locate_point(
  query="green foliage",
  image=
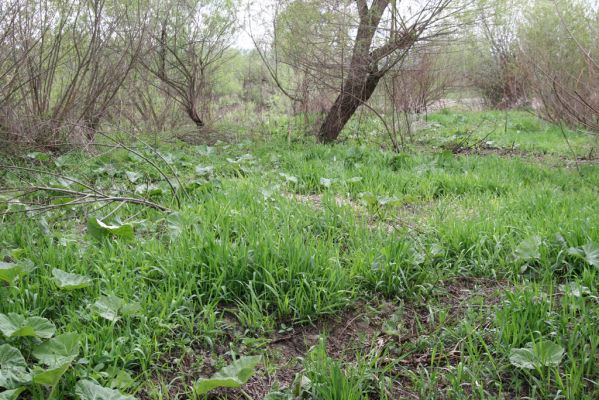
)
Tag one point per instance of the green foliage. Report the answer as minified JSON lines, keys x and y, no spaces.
{"x":88,"y":390}
{"x":100,"y":230}
{"x":14,"y":325}
{"x":421,"y":255}
{"x":9,"y":271}
{"x":234,"y":375}
{"x":68,"y":281}
{"x":537,"y":355}
{"x":60,"y":350}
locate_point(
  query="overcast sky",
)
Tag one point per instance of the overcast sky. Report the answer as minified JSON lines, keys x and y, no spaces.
{"x":254,"y":15}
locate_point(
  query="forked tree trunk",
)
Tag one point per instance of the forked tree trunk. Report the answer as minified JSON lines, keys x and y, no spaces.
{"x":364,"y":71}
{"x":363,"y":75}
{"x":355,"y":92}
{"x":193,"y":115}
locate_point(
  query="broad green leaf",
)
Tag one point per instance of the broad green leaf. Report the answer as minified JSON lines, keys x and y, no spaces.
{"x":9,"y":271}
{"x":231,"y":376}
{"x":389,"y":201}
{"x":11,"y":357}
{"x":51,"y":376}
{"x":369,"y":199}
{"x":100,"y":230}
{"x":589,"y":252}
{"x":548,"y":354}
{"x":12,"y":394}
{"x":122,"y":381}
{"x":205,"y":172}
{"x":174,"y":225}
{"x":544,"y":353}
{"x":58,"y":351}
{"x":575,"y":289}
{"x":326,"y":182}
{"x":88,"y":390}
{"x":12,"y":325}
{"x":112,"y":307}
{"x":13,"y":368}
{"x":528,"y":249}
{"x":133,"y":176}
{"x":149,"y":190}
{"x":289,"y":178}
{"x":14,"y":377}
{"x":68,"y":281}
{"x":522,"y":358}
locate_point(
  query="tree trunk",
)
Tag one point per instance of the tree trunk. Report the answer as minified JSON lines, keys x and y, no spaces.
{"x":363,"y":74}
{"x":356,"y":90}
{"x":193,"y":114}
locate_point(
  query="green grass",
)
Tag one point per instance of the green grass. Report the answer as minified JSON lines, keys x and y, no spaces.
{"x":472,"y":254}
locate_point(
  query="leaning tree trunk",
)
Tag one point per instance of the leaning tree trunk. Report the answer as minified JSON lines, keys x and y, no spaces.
{"x":356,"y":90}
{"x":364,"y":70}
{"x":194,"y":116}
{"x":363,"y":73}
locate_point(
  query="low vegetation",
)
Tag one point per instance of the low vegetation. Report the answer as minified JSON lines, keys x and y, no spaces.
{"x":292,"y":269}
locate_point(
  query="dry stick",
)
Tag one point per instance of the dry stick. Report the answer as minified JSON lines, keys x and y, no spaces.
{"x":149,"y":162}
{"x":41,"y":171}
{"x":168,"y":165}
{"x":94,"y":197}
{"x":561,"y":127}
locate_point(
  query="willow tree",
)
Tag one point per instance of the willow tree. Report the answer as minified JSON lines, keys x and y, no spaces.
{"x":385,"y":33}
{"x":189,"y":43}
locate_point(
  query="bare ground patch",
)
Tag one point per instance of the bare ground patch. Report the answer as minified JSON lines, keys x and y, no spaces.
{"x":390,"y":327}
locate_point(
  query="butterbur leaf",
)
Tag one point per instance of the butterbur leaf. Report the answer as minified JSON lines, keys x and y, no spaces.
{"x":589,"y":252}
{"x":12,"y":394}
{"x":326,"y":182}
{"x":232,"y":376}
{"x":544,"y":353}
{"x":61,"y":350}
{"x":38,"y":156}
{"x":51,"y":376}
{"x":289,"y":178}
{"x":108,"y":307}
{"x":11,"y":357}
{"x":13,"y":325}
{"x":389,"y":201}
{"x":9,"y":271}
{"x":205,"y":172}
{"x":575,"y":289}
{"x":14,"y":377}
{"x":149,"y":190}
{"x":528,"y":249}
{"x":100,"y":230}
{"x":549,"y":354}
{"x":369,"y":199}
{"x":88,"y":390}
{"x":112,"y":307}
{"x":522,"y":358}
{"x":13,"y":368}
{"x":68,"y":281}
{"x":133,"y":176}
{"x":122,"y":381}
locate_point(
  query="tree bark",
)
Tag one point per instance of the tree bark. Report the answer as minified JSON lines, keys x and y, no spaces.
{"x":354,"y":93}
{"x":363,"y":76}
{"x":193,"y":114}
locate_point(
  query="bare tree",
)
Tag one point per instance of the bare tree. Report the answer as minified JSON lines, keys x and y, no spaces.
{"x":376,"y":50}
{"x":72,"y":59}
{"x":565,"y":88}
{"x":188,"y":45}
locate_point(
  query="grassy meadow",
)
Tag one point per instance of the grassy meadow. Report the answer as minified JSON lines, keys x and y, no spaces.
{"x":466,"y":267}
